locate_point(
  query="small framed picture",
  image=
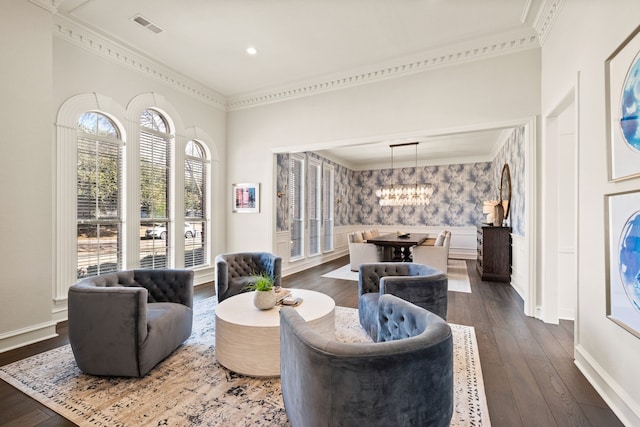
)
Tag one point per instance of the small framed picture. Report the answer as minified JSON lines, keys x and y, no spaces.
{"x":622,"y":80}
{"x":623,"y":260}
{"x":246,"y":198}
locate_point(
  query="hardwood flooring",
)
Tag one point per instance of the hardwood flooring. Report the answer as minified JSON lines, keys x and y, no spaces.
{"x":529,"y":375}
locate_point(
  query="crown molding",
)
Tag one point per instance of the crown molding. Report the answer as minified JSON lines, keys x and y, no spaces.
{"x":546,"y":18}
{"x":474,"y":50}
{"x":49,"y":5}
{"x":93,"y":42}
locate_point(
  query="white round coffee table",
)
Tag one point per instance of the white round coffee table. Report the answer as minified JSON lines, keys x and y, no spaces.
{"x":248,"y":339}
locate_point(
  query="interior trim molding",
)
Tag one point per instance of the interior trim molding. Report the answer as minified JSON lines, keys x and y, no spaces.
{"x":547,"y":16}
{"x":49,"y":5}
{"x":80,"y":36}
{"x":471,"y":50}
{"x":453,"y":55}
{"x":620,"y":402}
{"x":24,"y":336}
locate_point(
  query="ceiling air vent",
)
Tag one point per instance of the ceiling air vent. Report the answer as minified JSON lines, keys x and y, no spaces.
{"x":139,"y":19}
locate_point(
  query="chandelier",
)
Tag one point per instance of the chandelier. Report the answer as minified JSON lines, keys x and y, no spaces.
{"x":405,"y":194}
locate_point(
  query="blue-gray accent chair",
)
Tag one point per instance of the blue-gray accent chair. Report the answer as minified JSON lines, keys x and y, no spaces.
{"x":125,"y":323}
{"x":403,"y":379}
{"x":234,"y":271}
{"x":419,"y":284}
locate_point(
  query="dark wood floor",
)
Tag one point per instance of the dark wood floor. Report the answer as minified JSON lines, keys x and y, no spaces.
{"x":529,"y":375}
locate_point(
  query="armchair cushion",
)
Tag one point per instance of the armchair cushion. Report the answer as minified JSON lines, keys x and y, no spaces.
{"x":423,"y":286}
{"x":234,"y":271}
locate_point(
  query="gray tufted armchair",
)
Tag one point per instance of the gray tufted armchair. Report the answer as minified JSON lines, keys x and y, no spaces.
{"x":423,"y":286}
{"x":234,"y":271}
{"x":403,"y":379}
{"x":124,"y":323}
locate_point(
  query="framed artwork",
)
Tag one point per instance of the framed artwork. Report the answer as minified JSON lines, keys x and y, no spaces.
{"x":622,"y":77}
{"x":246,"y":198}
{"x":623,"y":260}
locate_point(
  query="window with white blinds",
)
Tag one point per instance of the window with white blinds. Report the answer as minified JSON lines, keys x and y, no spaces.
{"x":155,"y":178}
{"x":98,"y":196}
{"x":195,"y":193}
{"x":314,"y":207}
{"x":327,"y":206}
{"x":296,"y":203}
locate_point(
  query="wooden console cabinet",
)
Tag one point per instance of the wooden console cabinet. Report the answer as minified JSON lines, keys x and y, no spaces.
{"x":494,"y":253}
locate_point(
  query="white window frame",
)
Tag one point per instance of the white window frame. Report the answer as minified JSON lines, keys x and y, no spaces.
{"x":203,"y":218}
{"x":297,"y":190}
{"x":64,"y":178}
{"x":313,"y":204}
{"x":98,"y":221}
{"x":328,"y":205}
{"x":65,"y":186}
{"x":169,"y":243}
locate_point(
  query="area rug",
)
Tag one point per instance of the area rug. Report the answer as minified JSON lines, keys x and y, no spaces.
{"x":458,"y":275}
{"x":190,"y":388}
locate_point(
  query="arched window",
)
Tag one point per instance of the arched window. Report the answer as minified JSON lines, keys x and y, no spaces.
{"x":155,"y":195}
{"x":195,"y":193}
{"x":99,"y":195}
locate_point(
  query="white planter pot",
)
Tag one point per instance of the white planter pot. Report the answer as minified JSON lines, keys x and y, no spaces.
{"x":264,"y":300}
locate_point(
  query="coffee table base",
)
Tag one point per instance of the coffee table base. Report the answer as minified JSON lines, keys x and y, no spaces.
{"x":255,"y":351}
{"x":248,"y":339}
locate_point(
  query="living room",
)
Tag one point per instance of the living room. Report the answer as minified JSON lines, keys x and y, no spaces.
{"x":49,"y":60}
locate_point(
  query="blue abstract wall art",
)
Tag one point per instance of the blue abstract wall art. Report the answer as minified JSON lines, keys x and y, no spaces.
{"x":623,"y":286}
{"x":630,"y":106}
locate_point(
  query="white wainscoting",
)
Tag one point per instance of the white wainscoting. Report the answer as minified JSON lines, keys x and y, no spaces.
{"x":25,"y":336}
{"x":282,"y":249}
{"x":519,"y":265}
{"x":463,"y":244}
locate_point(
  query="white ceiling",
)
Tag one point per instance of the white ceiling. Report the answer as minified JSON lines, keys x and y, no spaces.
{"x":302,"y":41}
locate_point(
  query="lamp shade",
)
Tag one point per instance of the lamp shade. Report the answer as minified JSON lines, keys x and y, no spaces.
{"x":489,"y":206}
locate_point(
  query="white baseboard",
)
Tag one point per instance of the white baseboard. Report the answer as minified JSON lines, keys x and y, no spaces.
{"x":289,"y":268}
{"x":22,"y":337}
{"x":567,"y":313}
{"x":623,"y":405}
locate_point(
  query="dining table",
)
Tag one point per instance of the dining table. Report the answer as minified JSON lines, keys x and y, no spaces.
{"x":400,"y":244}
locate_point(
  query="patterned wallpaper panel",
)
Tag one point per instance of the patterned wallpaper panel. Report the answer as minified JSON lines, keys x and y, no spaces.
{"x":282,"y":185}
{"x":513,"y":154}
{"x":459,"y":190}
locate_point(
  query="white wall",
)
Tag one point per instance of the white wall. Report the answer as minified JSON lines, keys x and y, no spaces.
{"x":476,"y":93}
{"x":26,"y":167}
{"x":40,"y":72}
{"x":584,"y":35}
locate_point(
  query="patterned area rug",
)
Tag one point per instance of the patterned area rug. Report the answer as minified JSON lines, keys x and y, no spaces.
{"x":458,"y":275}
{"x":190,"y":388}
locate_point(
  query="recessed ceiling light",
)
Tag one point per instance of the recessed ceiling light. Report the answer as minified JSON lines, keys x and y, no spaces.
{"x":252,"y":50}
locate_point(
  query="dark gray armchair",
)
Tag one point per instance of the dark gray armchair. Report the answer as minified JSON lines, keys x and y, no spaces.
{"x":424,"y":286}
{"x":234,"y":271}
{"x":124,"y":323}
{"x":404,"y":379}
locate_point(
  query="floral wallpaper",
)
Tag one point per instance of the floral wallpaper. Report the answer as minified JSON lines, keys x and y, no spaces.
{"x":459,"y":190}
{"x":513,"y":154}
{"x":282,"y":186}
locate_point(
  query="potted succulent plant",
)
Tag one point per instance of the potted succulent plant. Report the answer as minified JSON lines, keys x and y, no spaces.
{"x":265,"y":296}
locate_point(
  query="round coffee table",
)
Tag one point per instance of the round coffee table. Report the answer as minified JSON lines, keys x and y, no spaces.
{"x":248,"y":339}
